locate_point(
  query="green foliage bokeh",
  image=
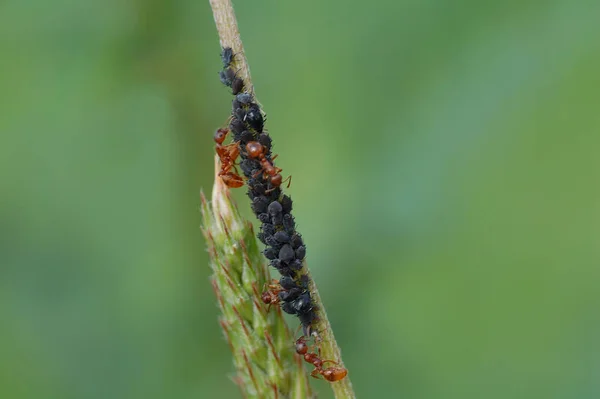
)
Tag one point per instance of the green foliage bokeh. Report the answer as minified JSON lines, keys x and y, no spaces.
{"x":445,"y":163}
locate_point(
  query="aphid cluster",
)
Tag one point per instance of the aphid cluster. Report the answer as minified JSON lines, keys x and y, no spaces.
{"x":285,"y":248}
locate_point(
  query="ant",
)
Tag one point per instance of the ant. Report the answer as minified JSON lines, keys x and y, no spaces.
{"x":271,"y":296}
{"x":228,"y":154}
{"x":331,"y":374}
{"x":257,"y":151}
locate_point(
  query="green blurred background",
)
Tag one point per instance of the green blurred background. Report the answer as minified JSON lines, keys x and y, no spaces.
{"x":445,"y":163}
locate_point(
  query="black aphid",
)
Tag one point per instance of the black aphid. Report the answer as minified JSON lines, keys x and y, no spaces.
{"x":296,"y":264}
{"x":227,"y":57}
{"x":273,"y":242}
{"x":300,"y":252}
{"x":249,"y":165}
{"x":227,"y":76}
{"x":286,"y":203}
{"x":288,"y":308}
{"x":286,"y":253}
{"x":282,"y":236}
{"x":267,"y":228}
{"x":237,"y":85}
{"x":290,"y":295}
{"x":270,"y":253}
{"x":277,"y":219}
{"x":245,"y":137}
{"x":259,"y":204}
{"x":265,"y":140}
{"x":303,"y":303}
{"x":307,"y":319}
{"x":287,"y":283}
{"x":244,"y":98}
{"x":255,"y":189}
{"x":264,"y":217}
{"x":275,"y":208}
{"x":296,"y":240}
{"x":254,"y":118}
{"x":288,"y":223}
{"x":237,"y":126}
{"x":261,"y":237}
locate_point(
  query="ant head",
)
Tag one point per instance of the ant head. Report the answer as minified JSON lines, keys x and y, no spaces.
{"x":266,"y":297}
{"x":333,"y":374}
{"x":220,"y":135}
{"x":276,"y":180}
{"x":254,"y":148}
{"x":301,"y":347}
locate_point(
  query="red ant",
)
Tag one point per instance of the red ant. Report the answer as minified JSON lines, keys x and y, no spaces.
{"x":331,"y":374}
{"x":256,"y":150}
{"x":228,"y":154}
{"x":271,"y":296}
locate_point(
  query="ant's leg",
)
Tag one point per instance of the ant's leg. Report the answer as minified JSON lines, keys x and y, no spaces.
{"x":315,"y":373}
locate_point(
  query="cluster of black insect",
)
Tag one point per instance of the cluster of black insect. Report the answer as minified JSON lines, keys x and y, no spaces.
{"x":285,"y":249}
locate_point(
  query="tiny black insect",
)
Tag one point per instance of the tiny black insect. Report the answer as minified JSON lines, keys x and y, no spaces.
{"x":256,"y":188}
{"x":254,"y":118}
{"x":264,"y":217}
{"x":282,"y":236}
{"x":261,"y":237}
{"x":287,"y":283}
{"x":288,"y":308}
{"x":236,"y":126}
{"x":288,"y":223}
{"x":259,"y":204}
{"x":275,"y":208}
{"x":237,"y":85}
{"x":227,"y":56}
{"x":296,"y":264}
{"x":286,"y":203}
{"x":273,"y":242}
{"x":245,"y":137}
{"x":227,"y":76}
{"x":244,"y":98}
{"x":303,"y":303}
{"x":290,"y":295}
{"x":265,"y":140}
{"x":277,"y":219}
{"x":249,"y":165}
{"x":286,"y":253}
{"x":301,"y":252}
{"x":240,"y":113}
{"x":306,"y":319}
{"x":296,"y":240}
{"x":267,"y":228}
{"x":235,"y":105}
{"x":270,"y":253}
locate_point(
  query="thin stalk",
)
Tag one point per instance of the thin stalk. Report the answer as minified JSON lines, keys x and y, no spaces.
{"x":261,"y":343}
{"x":229,"y":36}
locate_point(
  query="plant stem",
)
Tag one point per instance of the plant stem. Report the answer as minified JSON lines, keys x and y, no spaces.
{"x":260,"y":341}
{"x":229,"y":36}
